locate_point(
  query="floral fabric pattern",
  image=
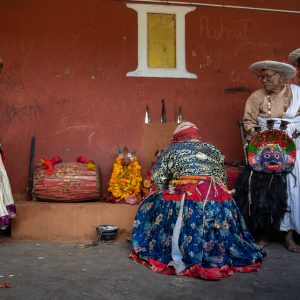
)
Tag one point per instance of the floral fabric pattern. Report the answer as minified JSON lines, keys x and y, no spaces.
{"x":189,"y":158}
{"x":192,"y":226}
{"x":213,"y":237}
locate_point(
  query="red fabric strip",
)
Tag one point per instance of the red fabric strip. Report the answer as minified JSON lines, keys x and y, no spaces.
{"x":190,"y":133}
{"x":198,"y":192}
{"x":195,"y":270}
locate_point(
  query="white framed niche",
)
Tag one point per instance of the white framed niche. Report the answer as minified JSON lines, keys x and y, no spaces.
{"x":174,"y":65}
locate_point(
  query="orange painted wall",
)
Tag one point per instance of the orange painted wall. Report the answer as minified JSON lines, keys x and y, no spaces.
{"x":64,"y":78}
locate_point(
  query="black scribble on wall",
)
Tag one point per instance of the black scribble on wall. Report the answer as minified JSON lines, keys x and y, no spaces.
{"x":60,"y":101}
{"x":238,"y":89}
{"x":14,"y":113}
{"x":11,"y":80}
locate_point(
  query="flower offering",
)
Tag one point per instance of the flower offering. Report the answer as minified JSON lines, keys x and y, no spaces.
{"x":126,"y":177}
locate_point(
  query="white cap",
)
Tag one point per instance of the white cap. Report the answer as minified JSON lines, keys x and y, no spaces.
{"x":293,"y":57}
{"x":286,"y":69}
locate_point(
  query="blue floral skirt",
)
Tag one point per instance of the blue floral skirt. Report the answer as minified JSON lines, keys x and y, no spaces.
{"x":212,"y":240}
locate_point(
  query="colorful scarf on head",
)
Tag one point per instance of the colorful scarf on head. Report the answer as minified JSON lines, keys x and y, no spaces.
{"x":185,"y":131}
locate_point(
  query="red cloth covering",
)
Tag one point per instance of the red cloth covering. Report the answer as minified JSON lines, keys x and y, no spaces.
{"x":232,"y":174}
{"x":195,"y":270}
{"x":198,"y":188}
{"x":47,"y":164}
{"x":82,"y":159}
{"x":190,"y":133}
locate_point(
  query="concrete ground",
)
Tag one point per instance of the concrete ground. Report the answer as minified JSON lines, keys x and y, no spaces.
{"x":39,"y":270}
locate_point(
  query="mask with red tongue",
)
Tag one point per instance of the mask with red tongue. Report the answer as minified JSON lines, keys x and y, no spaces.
{"x":271,"y":151}
{"x":272,"y":159}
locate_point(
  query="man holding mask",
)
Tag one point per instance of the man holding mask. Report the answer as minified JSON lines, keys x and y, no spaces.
{"x":278,"y":100}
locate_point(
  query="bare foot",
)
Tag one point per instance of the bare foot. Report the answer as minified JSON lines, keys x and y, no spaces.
{"x":290,"y":243}
{"x":263,"y":243}
{"x":292,"y":246}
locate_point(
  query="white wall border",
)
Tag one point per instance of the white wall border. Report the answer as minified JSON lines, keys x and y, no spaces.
{"x":177,"y":2}
{"x":143,"y":70}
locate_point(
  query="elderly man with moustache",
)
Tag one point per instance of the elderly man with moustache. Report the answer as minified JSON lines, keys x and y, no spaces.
{"x":278,"y":100}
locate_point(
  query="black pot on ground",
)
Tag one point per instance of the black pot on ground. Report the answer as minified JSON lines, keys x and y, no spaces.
{"x":107,"y":232}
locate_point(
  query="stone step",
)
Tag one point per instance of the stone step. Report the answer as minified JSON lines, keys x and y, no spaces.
{"x":50,"y":221}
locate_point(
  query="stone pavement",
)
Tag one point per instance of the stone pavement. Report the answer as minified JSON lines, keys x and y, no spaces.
{"x":47,"y":270}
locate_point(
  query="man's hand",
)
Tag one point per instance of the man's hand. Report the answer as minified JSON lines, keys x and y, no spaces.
{"x":296,"y":134}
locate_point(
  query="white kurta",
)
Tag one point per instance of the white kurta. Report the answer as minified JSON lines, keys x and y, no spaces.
{"x":291,"y":220}
{"x":6,"y":199}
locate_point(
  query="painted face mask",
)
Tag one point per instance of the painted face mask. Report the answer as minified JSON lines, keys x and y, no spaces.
{"x":272,"y":151}
{"x":272,"y":159}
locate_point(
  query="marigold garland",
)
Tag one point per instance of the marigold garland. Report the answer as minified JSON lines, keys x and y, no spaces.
{"x":125,"y":179}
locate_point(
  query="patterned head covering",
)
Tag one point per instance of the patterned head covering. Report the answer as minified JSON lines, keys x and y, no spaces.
{"x":186,"y":130}
{"x":293,"y":57}
{"x":287,"y":70}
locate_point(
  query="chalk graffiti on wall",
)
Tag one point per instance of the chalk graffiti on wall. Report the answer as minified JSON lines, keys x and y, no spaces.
{"x":68,"y":49}
{"x":217,"y":30}
{"x":222,"y":42}
{"x":185,"y":92}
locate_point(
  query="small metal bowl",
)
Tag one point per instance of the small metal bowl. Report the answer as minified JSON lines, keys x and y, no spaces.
{"x":107,"y":232}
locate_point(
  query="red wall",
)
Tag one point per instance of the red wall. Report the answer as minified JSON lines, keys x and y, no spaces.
{"x":64,"y":78}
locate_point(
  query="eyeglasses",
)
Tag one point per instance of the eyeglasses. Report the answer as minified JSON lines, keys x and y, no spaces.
{"x":268,"y":77}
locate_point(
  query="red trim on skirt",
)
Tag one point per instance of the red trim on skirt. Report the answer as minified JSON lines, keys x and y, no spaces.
{"x":195,"y":270}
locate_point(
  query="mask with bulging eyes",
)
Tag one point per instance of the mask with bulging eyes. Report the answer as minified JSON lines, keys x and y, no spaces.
{"x":272,"y":159}
{"x":271,"y":151}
